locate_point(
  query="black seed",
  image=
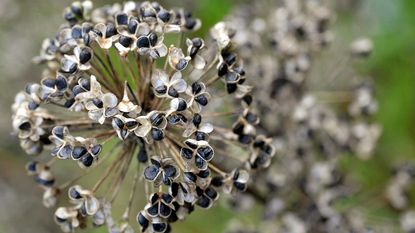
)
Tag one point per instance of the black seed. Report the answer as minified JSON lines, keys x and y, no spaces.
{"x":69,"y":103}
{"x":61,"y":83}
{"x":87,"y":160}
{"x":153,"y":210}
{"x":261,"y":160}
{"x":156,"y":6}
{"x":85,"y":56}
{"x":169,"y":170}
{"x":110,"y":31}
{"x":157,"y":134}
{"x":74,"y":194}
{"x":156,"y":119}
{"x":239,"y":186}
{"x":70,"y":17}
{"x":65,"y":152}
{"x":199,"y":191}
{"x":192,"y":177}
{"x":196,"y":88}
{"x":122,"y":19}
{"x":173,"y":93}
{"x":153,"y":39}
{"x":142,"y":155}
{"x":32,"y":106}
{"x":161,"y":89}
{"x":182,"y":117}
{"x":193,"y":52}
{"x":58,"y":132}
{"x":173,"y":119}
{"x":76,"y":32}
{"x":187,"y":14}
{"x":49,"y":82}
{"x":98,"y":103}
{"x":182,"y":105}
{"x":245,"y":139}
{"x":159,"y":227}
{"x":131,"y":124}
{"x":238,"y":128}
{"x":204,"y":173}
{"x":199,"y":162}
{"x":217,"y":181}
{"x":154,"y":198}
{"x":125,"y":41}
{"x":247,"y":99}
{"x":110,"y":112}
{"x":173,"y":218}
{"x":300,"y":32}
{"x":164,"y":15}
{"x":77,"y":10}
{"x":28,"y":88}
{"x":68,"y":66}
{"x":205,"y":152}
{"x":147,"y":13}
{"x":231,"y":87}
{"x":200,"y":136}
{"x":202,"y":100}
{"x":210,"y":192}
{"x":251,"y":118}
{"x":98,"y":33}
{"x":232,"y":77}
{"x":87,"y":27}
{"x":190,"y":144}
{"x":190,"y":23}
{"x":86,"y":84}
{"x":31,"y":166}
{"x":87,"y":39}
{"x":203,"y":202}
{"x":259,"y":144}
{"x":268,"y":149}
{"x":77,"y":90}
{"x":142,"y":221}
{"x":197,"y":119}
{"x":151,"y":172}
{"x":197,"y":42}
{"x":132,"y":26}
{"x":118,"y":123}
{"x":230,"y":58}
{"x":143,"y":42}
{"x":45,"y":139}
{"x":181,"y":65}
{"x":222,"y":70}
{"x":186,"y":153}
{"x":95,"y":150}
{"x":165,"y":211}
{"x":174,"y":189}
{"x":78,"y":152}
{"x":239,"y":70}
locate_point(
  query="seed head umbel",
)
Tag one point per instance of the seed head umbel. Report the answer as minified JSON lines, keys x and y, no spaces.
{"x":128,"y":95}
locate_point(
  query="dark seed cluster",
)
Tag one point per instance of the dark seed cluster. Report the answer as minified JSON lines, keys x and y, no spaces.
{"x":314,"y":120}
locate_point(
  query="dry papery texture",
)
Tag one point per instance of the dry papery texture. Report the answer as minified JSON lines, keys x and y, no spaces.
{"x":398,"y":196}
{"x":315,"y":105}
{"x":128,"y":98}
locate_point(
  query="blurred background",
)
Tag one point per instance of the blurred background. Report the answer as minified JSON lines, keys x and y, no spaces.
{"x":391,"y":25}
